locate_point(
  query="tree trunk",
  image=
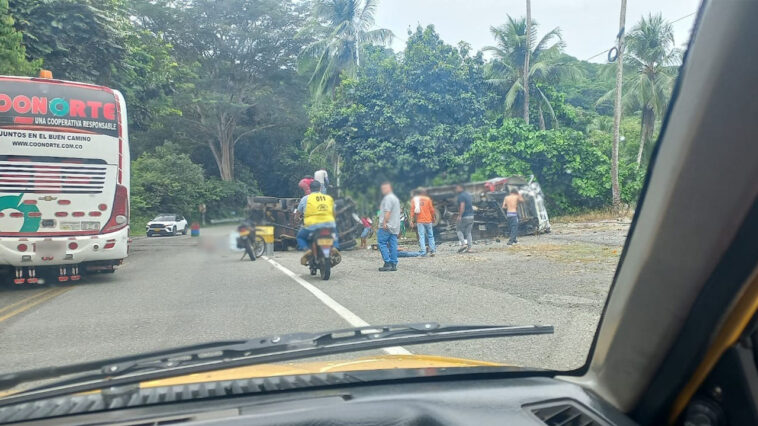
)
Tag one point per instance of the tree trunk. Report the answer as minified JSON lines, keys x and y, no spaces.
{"x":527,"y":56}
{"x":542,"y":117}
{"x":646,"y":133}
{"x":615,"y":190}
{"x":223,"y":149}
{"x":226,"y":168}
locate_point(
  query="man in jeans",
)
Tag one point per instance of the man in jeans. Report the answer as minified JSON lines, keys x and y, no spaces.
{"x":465,"y":219}
{"x":389,"y":227}
{"x":317,"y":210}
{"x":422,"y":213}
{"x":510,"y":204}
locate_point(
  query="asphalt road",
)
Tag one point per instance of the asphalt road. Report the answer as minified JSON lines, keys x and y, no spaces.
{"x":176,"y":291}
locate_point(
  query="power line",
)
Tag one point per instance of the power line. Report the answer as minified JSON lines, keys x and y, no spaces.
{"x":683,"y":17}
{"x":596,"y":55}
{"x":606,"y":50}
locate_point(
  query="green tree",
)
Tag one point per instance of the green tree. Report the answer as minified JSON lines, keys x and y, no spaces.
{"x":80,"y":40}
{"x":408,"y":117}
{"x":245,"y":50}
{"x":650,"y":68}
{"x":572,"y":170}
{"x":151,"y":80}
{"x":12,"y":52}
{"x":652,"y":55}
{"x":346,"y":27}
{"x":165,"y":181}
{"x":509,"y":69}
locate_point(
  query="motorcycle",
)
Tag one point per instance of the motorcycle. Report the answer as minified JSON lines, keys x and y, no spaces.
{"x":253,"y":244}
{"x":322,"y":255}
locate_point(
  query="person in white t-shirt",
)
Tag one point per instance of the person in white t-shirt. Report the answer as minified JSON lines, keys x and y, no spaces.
{"x":323,"y":178}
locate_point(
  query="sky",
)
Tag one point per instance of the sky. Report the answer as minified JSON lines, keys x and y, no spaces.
{"x":588,"y":26}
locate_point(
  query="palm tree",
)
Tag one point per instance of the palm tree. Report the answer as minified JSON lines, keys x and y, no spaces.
{"x":510,"y":69}
{"x":347,"y":26}
{"x":650,"y":69}
{"x":654,"y":59}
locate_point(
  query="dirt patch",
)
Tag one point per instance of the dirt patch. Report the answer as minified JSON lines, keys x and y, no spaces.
{"x":569,"y":252}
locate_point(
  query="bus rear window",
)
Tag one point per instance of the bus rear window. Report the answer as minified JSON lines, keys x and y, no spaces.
{"x":31,"y":104}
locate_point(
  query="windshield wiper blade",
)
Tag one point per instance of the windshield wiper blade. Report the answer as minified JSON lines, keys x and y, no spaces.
{"x":228,"y":354}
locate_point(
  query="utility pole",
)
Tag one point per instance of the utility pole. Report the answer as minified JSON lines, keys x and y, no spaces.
{"x":337,"y":177}
{"x":527,"y":55}
{"x":615,"y":190}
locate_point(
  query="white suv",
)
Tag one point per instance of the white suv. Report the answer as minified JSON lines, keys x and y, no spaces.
{"x":167,"y":224}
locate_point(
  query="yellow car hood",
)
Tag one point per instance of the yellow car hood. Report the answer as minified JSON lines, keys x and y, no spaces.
{"x":379,"y":362}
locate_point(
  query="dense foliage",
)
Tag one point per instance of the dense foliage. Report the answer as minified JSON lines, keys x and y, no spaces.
{"x":405,"y":118}
{"x":13,"y":58}
{"x":232,"y":98}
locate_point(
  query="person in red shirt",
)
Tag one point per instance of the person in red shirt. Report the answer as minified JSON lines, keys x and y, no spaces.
{"x":422,"y":213}
{"x":305,"y":184}
{"x":367,"y":231}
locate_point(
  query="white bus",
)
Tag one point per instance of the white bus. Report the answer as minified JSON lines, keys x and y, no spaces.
{"x":64,"y":179}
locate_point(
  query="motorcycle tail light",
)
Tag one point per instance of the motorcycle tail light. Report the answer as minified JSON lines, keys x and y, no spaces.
{"x":325,"y":232}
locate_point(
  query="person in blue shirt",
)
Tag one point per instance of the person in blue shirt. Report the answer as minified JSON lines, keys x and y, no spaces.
{"x":315,"y":218}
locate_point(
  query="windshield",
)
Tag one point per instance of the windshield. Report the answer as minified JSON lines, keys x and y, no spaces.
{"x":330,"y":164}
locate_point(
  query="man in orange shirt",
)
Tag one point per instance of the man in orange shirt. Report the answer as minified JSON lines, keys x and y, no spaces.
{"x":422,"y":214}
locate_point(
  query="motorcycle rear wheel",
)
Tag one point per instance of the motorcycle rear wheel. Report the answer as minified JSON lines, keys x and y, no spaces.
{"x":249,"y":249}
{"x":259,"y":247}
{"x":326,"y":269}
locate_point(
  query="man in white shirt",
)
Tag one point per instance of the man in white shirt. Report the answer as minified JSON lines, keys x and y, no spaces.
{"x":323,"y":178}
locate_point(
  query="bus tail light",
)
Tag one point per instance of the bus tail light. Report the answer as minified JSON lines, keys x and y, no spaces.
{"x":120,"y":214}
{"x":109,"y":244}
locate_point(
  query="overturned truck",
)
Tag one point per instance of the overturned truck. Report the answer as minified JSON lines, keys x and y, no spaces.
{"x":489,"y":216}
{"x":280,"y":213}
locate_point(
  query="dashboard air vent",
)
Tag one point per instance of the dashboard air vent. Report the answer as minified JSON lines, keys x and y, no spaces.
{"x":565,"y":413}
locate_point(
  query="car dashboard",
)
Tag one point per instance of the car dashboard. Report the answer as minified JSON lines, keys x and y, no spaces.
{"x":337,"y":399}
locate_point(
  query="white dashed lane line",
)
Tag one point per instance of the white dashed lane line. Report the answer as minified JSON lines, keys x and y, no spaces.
{"x":353,"y":319}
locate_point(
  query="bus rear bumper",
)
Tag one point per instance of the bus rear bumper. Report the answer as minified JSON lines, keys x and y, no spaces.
{"x":56,"y":251}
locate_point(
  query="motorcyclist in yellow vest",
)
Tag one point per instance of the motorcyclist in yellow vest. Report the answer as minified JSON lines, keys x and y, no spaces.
{"x":318,"y":213}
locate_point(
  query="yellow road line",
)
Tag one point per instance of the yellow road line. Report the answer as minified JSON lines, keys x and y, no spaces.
{"x":48,"y":296}
{"x":26,"y":299}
